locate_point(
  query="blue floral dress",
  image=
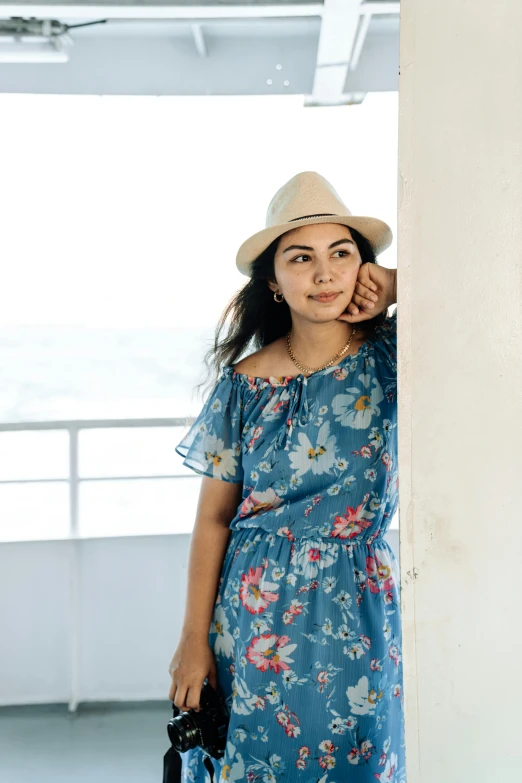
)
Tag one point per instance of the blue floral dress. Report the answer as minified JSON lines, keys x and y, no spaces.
{"x":306,"y":628}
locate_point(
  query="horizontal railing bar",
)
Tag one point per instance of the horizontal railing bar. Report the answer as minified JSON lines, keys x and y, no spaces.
{"x":90,"y":424}
{"x":100,"y":478}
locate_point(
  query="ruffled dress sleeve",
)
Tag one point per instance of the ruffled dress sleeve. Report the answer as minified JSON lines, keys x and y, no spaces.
{"x":212,"y":446}
{"x":386,"y":341}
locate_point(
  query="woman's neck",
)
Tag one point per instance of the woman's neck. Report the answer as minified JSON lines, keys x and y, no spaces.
{"x":314,"y":344}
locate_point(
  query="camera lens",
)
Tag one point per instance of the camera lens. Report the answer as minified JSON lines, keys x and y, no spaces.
{"x":182,"y":732}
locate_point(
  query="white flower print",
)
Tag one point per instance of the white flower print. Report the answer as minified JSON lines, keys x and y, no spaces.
{"x":295,"y":481}
{"x":319,"y":458}
{"x":359,"y":405}
{"x":243,"y":702}
{"x":222,"y":460}
{"x":276,"y":406}
{"x":234,"y":769}
{"x":327,"y":627}
{"x":224,"y":644}
{"x":334,"y":489}
{"x":329,"y":583}
{"x":312,"y":556}
{"x":363,"y":700}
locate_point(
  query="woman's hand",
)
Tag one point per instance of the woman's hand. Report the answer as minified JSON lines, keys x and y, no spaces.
{"x":375,"y":290}
{"x":191,"y":664}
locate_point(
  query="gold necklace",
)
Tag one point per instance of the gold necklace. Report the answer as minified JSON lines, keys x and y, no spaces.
{"x":310,"y":370}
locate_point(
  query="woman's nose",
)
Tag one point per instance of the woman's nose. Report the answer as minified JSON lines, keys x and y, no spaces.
{"x":322,"y":272}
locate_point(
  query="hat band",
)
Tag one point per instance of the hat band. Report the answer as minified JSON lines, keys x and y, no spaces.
{"x":304,"y":217}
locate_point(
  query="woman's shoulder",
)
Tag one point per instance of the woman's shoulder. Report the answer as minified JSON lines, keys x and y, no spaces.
{"x":268,"y":361}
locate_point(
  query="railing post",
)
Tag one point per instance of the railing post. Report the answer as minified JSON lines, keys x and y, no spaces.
{"x":75,"y":570}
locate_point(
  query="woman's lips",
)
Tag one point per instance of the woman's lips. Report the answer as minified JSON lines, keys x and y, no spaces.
{"x":325,"y":297}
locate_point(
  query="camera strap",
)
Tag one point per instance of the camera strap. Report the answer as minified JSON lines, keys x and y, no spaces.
{"x":209,"y":766}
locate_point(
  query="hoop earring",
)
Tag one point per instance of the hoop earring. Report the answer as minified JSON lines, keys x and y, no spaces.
{"x":276,"y":299}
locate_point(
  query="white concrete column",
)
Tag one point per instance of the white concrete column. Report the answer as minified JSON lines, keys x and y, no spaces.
{"x":460,"y":387}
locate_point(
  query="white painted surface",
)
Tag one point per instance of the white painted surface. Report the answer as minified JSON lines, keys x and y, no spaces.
{"x":460,"y":387}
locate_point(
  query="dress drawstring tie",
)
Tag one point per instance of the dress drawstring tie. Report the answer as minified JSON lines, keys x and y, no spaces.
{"x":298,"y":412}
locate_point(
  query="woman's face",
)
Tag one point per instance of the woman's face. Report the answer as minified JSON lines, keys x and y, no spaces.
{"x":314,"y":261}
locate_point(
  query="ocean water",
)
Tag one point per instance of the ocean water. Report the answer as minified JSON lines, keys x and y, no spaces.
{"x":61,"y":374}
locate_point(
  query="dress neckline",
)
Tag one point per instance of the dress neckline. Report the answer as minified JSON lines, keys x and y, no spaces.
{"x":285,"y":380}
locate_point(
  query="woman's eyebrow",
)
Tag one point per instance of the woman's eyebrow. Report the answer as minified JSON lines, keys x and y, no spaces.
{"x":305,"y":247}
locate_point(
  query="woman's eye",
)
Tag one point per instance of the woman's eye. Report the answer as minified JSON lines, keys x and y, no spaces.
{"x":307,"y":257}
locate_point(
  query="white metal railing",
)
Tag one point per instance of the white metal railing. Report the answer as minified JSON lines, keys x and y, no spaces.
{"x":73,"y":479}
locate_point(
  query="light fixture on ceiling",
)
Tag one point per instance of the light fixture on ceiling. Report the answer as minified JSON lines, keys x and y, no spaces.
{"x":36,"y":40}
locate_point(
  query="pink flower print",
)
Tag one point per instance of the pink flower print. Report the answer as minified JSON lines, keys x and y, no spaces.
{"x":397,"y":691}
{"x":366,"y":452}
{"x":366,"y":749}
{"x":316,"y":500}
{"x":393,"y":652}
{"x":304,"y":752}
{"x":386,"y":460}
{"x":292,"y":730}
{"x":327,"y":762}
{"x":288,"y":617}
{"x":313,"y":585}
{"x":379,"y":575}
{"x":353,"y":756}
{"x":300,"y":764}
{"x":366,"y":641}
{"x":375,"y":665}
{"x":340,"y":374}
{"x":260,"y":703}
{"x":352,"y":523}
{"x":323,"y":678}
{"x":258,"y":431}
{"x":286,"y":532}
{"x":327,"y":746}
{"x":255,"y":592}
{"x":257,"y":502}
{"x":296,"y":607}
{"x":270,"y":651}
{"x":282,"y":718}
{"x":388,"y":774}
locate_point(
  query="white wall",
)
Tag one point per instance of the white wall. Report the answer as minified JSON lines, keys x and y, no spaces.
{"x":106,"y":634}
{"x":460,"y":387}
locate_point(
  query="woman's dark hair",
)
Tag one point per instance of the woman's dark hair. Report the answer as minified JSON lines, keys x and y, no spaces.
{"x":253,"y":319}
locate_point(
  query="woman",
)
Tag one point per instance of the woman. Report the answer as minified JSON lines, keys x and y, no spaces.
{"x":297,"y":443}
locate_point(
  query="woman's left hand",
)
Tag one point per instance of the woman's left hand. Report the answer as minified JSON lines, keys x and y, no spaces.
{"x":375,"y":290}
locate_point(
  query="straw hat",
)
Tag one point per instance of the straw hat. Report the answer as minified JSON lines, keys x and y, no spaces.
{"x":306,"y":199}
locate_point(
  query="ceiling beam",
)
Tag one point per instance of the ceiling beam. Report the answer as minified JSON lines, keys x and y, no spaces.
{"x":336,"y":46}
{"x":128,"y":11}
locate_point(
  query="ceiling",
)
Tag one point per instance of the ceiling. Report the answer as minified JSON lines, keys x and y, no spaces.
{"x":332,"y":52}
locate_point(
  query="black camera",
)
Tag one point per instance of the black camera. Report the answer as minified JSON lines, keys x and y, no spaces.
{"x":206,"y":729}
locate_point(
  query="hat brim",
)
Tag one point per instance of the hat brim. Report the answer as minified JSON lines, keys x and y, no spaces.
{"x":376,"y":231}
